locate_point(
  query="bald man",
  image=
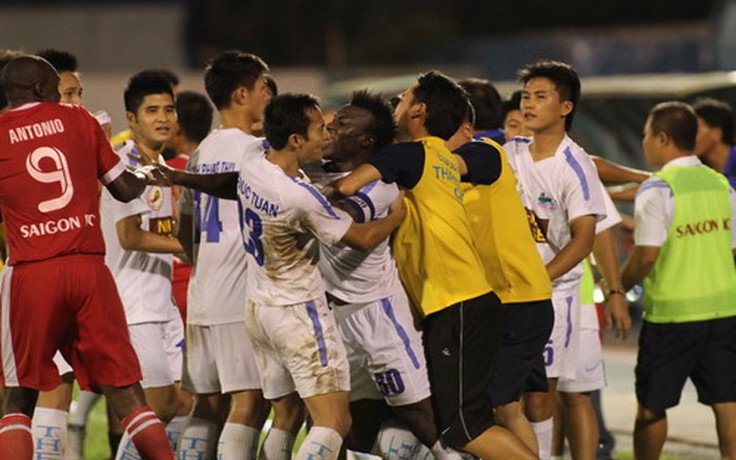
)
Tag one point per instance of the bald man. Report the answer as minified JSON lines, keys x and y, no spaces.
{"x":57,"y":293}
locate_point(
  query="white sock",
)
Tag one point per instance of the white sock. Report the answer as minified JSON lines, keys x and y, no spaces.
{"x":321,"y":443}
{"x":395,"y":442}
{"x":196,"y":441}
{"x":174,"y":429}
{"x":237,"y":442}
{"x":278,"y":445}
{"x":81,"y":408}
{"x":49,"y":433}
{"x":543,"y":430}
{"x":422,"y":453}
{"x":126,"y":449}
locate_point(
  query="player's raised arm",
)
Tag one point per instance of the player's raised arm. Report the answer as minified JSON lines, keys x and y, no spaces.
{"x":357,"y":179}
{"x":222,"y":185}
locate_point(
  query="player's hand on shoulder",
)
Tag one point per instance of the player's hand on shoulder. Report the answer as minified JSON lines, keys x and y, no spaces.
{"x":152,"y":173}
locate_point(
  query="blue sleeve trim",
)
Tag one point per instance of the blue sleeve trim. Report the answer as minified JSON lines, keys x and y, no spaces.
{"x":578,"y":172}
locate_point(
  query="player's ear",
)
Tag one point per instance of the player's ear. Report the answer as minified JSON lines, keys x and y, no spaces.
{"x":567,"y":107}
{"x":131,"y":118}
{"x":418,"y":110}
{"x":295,"y":141}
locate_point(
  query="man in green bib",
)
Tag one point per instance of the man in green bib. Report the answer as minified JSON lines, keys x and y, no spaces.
{"x":684,"y":241}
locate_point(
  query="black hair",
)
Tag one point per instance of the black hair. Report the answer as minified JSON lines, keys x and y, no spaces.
{"x":194,"y":113}
{"x":272,"y":85}
{"x":446,"y":103}
{"x":285,"y":115}
{"x":63,"y":61}
{"x":716,"y":114}
{"x":229,"y":71}
{"x":141,"y":85}
{"x":5,"y":57}
{"x":513,"y":103}
{"x":172,"y":77}
{"x":486,"y":103}
{"x":382,"y":125}
{"x":564,"y":77}
{"x":677,"y":120}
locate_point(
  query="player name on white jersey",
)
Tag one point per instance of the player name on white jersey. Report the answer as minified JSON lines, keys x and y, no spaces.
{"x":52,"y":227}
{"x":255,"y":200}
{"x":36,"y":130}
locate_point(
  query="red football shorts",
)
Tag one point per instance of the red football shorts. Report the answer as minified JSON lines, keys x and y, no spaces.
{"x":69,"y":304}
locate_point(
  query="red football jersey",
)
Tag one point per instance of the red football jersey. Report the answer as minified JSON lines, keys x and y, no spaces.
{"x":51,"y":156}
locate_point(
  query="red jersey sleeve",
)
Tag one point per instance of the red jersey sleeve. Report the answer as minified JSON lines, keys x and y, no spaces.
{"x":109,"y":164}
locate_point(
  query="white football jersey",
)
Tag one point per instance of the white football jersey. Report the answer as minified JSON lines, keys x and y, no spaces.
{"x":143,"y":278}
{"x":217,"y":285}
{"x":352,"y":275}
{"x":557,"y":190}
{"x":280,"y":217}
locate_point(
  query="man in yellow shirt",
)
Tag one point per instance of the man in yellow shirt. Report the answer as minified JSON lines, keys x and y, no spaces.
{"x":440,"y":267}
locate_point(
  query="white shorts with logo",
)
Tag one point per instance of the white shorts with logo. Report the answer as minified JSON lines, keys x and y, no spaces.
{"x":561,"y":352}
{"x":385,"y":351}
{"x":590,"y":374}
{"x":298,"y":348}
{"x":159,"y":347}
{"x":219,"y":359}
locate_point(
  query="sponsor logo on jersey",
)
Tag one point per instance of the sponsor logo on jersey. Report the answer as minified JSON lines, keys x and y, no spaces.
{"x":545,"y":201}
{"x":155,"y":198}
{"x":702,"y":228}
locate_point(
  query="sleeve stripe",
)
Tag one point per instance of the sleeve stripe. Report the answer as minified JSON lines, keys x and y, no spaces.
{"x":578,"y":172}
{"x":319,"y":197}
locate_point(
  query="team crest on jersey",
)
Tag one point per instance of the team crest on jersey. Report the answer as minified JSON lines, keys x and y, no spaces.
{"x":545,"y":201}
{"x":155,"y":198}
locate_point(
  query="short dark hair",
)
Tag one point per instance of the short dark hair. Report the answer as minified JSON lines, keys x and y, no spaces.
{"x":141,"y":85}
{"x":486,"y":102}
{"x":716,"y":114}
{"x":194,"y":113}
{"x":285,"y":115}
{"x":63,"y":61}
{"x":677,"y":120}
{"x":170,"y":75}
{"x":446,"y":103}
{"x":229,"y":71}
{"x":272,"y":85}
{"x":513,"y":103}
{"x":5,"y":57}
{"x":564,"y":77}
{"x":383,"y":126}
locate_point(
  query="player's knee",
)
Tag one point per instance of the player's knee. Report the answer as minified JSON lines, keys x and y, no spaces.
{"x":649,"y":415}
{"x":538,"y":406}
{"x":571,"y":400}
{"x":507,"y":413}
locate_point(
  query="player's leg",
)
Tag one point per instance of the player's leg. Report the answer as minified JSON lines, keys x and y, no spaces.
{"x":527,"y":327}
{"x":331,"y":419}
{"x":104,"y":358}
{"x":461,"y":344}
{"x":288,"y":418}
{"x":35,"y":323}
{"x":581,"y":423}
{"x":173,"y":338}
{"x":726,"y":428}
{"x":49,"y":419}
{"x":77,"y":424}
{"x":666,"y":357}
{"x":238,"y":376}
{"x":715,"y":379}
{"x":650,"y":432}
{"x":199,"y":375}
